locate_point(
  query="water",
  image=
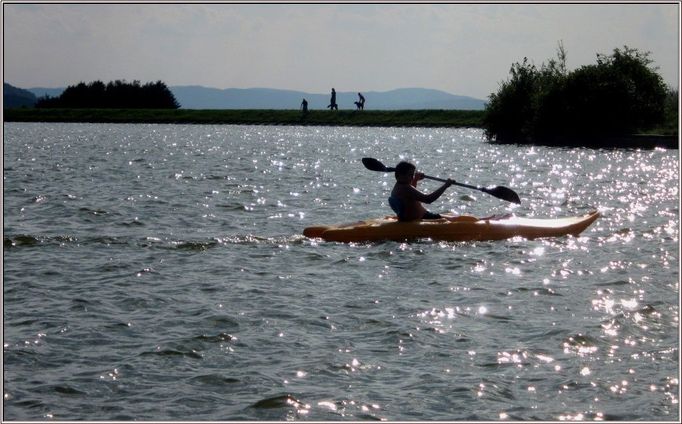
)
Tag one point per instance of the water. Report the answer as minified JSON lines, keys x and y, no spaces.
{"x":158,"y":272}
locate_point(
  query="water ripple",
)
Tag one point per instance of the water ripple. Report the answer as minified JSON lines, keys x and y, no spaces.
{"x":158,"y":272}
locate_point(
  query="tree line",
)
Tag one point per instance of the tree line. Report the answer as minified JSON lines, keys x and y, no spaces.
{"x":117,"y":94}
{"x":620,"y":94}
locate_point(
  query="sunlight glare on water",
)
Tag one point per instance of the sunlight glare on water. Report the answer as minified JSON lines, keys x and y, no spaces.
{"x":159,"y":272}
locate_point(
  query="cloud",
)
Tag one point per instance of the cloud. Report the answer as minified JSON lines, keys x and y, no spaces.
{"x":461,"y":48}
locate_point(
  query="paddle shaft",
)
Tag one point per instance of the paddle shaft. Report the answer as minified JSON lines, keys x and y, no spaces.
{"x":442,"y":180}
{"x":500,"y":192}
{"x":454,"y":182}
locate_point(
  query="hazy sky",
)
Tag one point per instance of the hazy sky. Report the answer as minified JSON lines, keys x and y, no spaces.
{"x":464,"y":49}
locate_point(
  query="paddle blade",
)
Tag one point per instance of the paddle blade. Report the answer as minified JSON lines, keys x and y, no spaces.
{"x":374,"y":165}
{"x":503,"y":193}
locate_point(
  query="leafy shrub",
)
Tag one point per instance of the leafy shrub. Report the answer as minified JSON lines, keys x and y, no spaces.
{"x":620,"y":94}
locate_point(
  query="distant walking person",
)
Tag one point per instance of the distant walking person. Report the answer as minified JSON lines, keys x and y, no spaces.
{"x":361,"y":105}
{"x":332,"y":102}
{"x":304,"y":106}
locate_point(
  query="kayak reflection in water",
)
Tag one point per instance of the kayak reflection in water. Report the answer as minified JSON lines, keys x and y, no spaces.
{"x":406,"y":201}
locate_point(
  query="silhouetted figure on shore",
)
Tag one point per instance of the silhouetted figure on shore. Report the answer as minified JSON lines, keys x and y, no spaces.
{"x":332,"y":102}
{"x":304,"y":106}
{"x":361,"y":102}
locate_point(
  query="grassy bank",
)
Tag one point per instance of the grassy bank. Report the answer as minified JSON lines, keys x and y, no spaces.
{"x":374,"y":118}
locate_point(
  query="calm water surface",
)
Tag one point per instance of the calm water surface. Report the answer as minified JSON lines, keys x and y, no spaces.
{"x":158,"y":272}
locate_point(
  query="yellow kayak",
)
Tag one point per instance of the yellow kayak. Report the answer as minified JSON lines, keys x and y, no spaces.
{"x":459,"y":228}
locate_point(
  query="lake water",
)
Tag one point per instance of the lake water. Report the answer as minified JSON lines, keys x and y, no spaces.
{"x":158,"y":272}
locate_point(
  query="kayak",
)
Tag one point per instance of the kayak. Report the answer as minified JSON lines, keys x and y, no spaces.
{"x":452,"y":228}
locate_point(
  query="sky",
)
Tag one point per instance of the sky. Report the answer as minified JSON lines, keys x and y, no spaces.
{"x":463,"y":49}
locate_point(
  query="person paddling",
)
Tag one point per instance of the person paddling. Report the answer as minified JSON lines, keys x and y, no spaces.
{"x":406,"y":201}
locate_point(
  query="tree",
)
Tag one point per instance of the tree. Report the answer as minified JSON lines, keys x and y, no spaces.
{"x":506,"y":113}
{"x":116,"y":94}
{"x":620,"y":94}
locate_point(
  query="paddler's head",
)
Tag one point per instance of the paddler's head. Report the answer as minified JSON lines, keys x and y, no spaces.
{"x":404,"y":172}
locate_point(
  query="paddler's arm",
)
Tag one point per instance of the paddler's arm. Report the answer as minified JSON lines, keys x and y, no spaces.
{"x":432,"y":197}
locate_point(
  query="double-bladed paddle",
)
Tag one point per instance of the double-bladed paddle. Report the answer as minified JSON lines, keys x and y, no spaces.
{"x":500,"y":192}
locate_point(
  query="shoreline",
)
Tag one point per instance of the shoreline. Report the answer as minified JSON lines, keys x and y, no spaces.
{"x":631,"y":141}
{"x":379,"y":118}
{"x":364,"y":118}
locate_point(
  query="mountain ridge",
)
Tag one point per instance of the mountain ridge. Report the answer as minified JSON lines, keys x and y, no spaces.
{"x":202,"y":97}
{"x":16,"y":97}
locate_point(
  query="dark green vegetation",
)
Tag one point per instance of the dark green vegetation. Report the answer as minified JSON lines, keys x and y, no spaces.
{"x":398,"y":118}
{"x":619,"y":96}
{"x":671,"y":111}
{"x":114,"y":95}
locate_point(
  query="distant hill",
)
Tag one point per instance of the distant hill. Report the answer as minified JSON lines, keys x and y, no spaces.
{"x":42,"y":92}
{"x":16,"y":97}
{"x":199,"y":97}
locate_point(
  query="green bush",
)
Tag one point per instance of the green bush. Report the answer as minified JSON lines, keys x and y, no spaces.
{"x":620,"y":94}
